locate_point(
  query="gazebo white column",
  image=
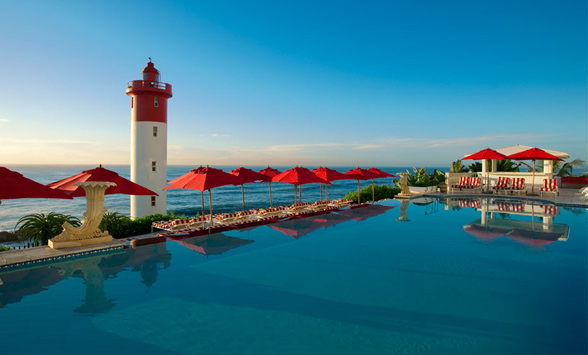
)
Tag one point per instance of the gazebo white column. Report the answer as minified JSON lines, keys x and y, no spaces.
{"x":88,"y":233}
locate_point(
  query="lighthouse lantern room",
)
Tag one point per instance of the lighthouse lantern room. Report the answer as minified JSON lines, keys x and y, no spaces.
{"x":149,"y":140}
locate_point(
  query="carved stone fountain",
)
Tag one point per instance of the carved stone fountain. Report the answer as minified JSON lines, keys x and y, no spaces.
{"x":88,"y":233}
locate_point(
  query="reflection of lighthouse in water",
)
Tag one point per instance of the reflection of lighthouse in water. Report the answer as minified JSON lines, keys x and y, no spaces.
{"x":149,"y":140}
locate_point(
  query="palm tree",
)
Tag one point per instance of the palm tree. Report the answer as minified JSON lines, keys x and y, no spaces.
{"x":567,"y":169}
{"x":39,"y":227}
{"x":508,"y":165}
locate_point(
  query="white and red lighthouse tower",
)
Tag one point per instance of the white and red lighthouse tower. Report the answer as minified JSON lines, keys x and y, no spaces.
{"x":149,"y":140}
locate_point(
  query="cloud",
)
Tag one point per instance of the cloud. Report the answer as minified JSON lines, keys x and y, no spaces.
{"x":4,"y":119}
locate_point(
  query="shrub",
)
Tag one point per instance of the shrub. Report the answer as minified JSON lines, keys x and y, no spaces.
{"x":2,"y":248}
{"x":380,"y":192}
{"x":117,"y":224}
{"x":142,"y":225}
{"x":421,"y":178}
{"x":39,"y":227}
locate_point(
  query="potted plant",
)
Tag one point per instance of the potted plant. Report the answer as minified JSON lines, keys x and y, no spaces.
{"x":420,"y":182}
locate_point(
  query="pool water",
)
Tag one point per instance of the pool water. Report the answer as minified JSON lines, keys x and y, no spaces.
{"x":458,"y":276}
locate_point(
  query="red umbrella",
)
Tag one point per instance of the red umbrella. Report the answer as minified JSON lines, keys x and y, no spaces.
{"x":486,"y":154}
{"x":14,"y":185}
{"x":361,"y":174}
{"x":298,"y":176}
{"x":329,"y":175}
{"x":203,"y":179}
{"x":382,"y":174}
{"x":533,"y":154}
{"x":248,"y":175}
{"x":123,"y":186}
{"x":270,"y":173}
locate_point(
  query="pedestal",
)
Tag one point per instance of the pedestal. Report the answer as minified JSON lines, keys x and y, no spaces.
{"x":88,"y":233}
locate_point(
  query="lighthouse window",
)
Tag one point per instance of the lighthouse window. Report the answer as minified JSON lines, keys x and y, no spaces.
{"x":153,"y":201}
{"x":132,"y":102}
{"x":156,"y":101}
{"x":154,"y":131}
{"x":153,"y":166}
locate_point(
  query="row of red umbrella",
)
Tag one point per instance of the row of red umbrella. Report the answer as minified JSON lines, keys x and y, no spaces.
{"x":533,"y":154}
{"x":207,"y":178}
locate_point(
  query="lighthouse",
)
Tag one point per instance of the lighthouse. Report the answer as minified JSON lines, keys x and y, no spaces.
{"x":149,"y":140}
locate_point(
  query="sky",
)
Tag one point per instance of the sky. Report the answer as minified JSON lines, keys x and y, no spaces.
{"x":354,"y":83}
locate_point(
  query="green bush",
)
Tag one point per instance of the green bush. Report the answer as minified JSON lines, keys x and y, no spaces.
{"x":380,"y":192}
{"x":39,"y":227}
{"x":421,"y":178}
{"x":117,"y":224}
{"x":2,"y":248}
{"x":142,"y":225}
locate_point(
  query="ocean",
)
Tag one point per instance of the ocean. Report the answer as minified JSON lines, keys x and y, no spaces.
{"x":225,"y":199}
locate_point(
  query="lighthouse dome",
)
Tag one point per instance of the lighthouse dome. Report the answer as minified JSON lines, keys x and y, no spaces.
{"x":149,"y":72}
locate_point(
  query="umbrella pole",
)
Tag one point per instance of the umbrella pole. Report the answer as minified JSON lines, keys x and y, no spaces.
{"x":295,"y":194}
{"x":300,"y":194}
{"x":210,"y":203}
{"x":533,"y":181}
{"x":243,"y":196}
{"x":202,"y":203}
{"x":373,"y":193}
{"x":327,"y":193}
{"x":270,"y":189}
{"x":321,"y":185}
{"x":358,"y":198}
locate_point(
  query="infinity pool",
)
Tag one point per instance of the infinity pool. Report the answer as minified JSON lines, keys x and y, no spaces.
{"x":459,"y":276}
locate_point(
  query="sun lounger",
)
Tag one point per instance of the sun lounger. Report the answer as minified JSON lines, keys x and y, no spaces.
{"x":340,"y":203}
{"x":502,"y":184}
{"x":517,"y":185}
{"x":549,"y":185}
{"x":467,"y":183}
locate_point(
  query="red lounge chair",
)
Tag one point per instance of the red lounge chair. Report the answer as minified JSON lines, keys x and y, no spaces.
{"x":517,"y":185}
{"x":549,"y":185}
{"x":502,"y":184}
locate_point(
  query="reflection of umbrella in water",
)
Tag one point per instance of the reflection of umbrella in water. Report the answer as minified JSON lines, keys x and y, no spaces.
{"x":213,"y":244}
{"x":297,"y":227}
{"x":14,"y":185}
{"x":364,"y":212}
{"x":484,"y":233}
{"x":533,"y":237}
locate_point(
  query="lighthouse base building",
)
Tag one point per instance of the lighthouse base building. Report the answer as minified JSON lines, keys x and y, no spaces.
{"x":149,"y":140}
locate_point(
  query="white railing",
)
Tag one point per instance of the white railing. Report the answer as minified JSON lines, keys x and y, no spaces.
{"x":147,"y":84}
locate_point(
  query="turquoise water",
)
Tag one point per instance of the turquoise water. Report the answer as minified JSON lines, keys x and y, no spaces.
{"x":407,"y":279}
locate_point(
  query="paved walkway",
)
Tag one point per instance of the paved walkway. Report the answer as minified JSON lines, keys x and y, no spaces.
{"x":23,"y":257}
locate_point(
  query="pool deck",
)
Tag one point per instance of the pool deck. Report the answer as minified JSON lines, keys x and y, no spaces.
{"x":26,"y":257}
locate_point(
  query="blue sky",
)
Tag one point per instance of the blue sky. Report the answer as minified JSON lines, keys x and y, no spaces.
{"x":384,"y":83}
